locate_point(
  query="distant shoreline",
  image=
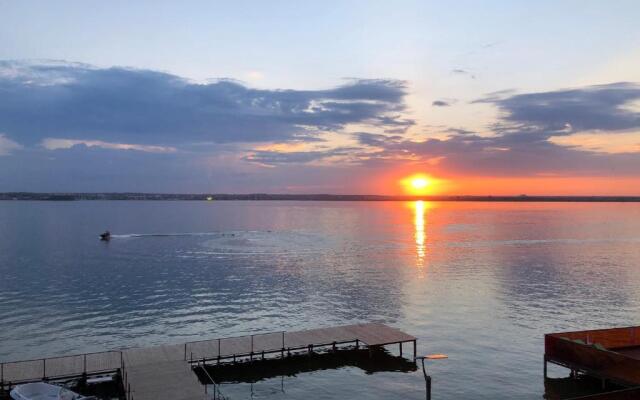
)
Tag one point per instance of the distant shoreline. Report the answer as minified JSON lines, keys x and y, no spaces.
{"x":26,"y":196}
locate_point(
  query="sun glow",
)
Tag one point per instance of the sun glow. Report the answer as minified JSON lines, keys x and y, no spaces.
{"x":418,"y":184}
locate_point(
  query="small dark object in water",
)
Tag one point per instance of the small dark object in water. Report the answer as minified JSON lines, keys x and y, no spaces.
{"x":106,"y":236}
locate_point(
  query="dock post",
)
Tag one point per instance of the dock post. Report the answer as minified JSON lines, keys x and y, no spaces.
{"x":251,"y":354}
{"x":44,"y":368}
{"x":218,"y":349}
{"x":357,"y":343}
{"x":545,"y":366}
{"x":185,"y":352}
{"x":400,"y":349}
{"x":415,"y":349}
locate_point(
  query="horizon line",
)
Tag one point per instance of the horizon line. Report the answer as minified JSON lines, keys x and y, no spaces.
{"x":16,"y":195}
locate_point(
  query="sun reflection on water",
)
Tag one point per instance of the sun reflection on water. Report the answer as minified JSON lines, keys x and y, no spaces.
{"x":419,"y":209}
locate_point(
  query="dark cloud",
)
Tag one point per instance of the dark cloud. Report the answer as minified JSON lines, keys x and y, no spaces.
{"x":564,"y":112}
{"x":76,"y":101}
{"x":208,"y":123}
{"x":499,"y":156}
{"x":440,"y":103}
{"x":83,"y":168}
{"x":520,"y":144}
{"x":377,"y":140}
{"x":94,"y":169}
{"x":297,"y":157}
{"x":459,"y":131}
{"x":459,"y":71}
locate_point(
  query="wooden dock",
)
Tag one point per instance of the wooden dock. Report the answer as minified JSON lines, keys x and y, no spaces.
{"x":371,"y":334}
{"x":165,"y":372}
{"x":608,"y":354}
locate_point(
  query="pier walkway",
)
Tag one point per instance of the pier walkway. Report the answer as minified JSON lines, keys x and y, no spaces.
{"x":165,"y":372}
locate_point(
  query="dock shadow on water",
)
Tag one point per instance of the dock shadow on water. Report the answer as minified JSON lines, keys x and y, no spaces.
{"x":583,"y":386}
{"x":371,"y":361}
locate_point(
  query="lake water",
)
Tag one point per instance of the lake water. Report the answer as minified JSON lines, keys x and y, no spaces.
{"x":481,"y":282}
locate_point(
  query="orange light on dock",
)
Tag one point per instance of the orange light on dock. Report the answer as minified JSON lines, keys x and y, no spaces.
{"x":427,"y":378}
{"x":436,"y":357}
{"x":433,"y":357}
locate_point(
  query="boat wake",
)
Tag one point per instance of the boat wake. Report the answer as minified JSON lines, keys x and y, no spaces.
{"x":143,"y":235}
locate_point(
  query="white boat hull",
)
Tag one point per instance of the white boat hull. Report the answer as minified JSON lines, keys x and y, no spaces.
{"x":44,"y":391}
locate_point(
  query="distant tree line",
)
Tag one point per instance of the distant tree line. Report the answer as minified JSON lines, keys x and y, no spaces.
{"x":299,"y":197}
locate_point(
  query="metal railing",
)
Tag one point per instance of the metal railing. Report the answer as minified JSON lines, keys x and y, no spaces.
{"x":126,"y":386}
{"x":216,"y":348}
{"x":256,"y":345}
{"x":15,"y":372}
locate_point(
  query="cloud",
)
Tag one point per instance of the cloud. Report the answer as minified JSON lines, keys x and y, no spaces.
{"x":440,"y":103}
{"x":7,"y":145}
{"x":459,"y":131}
{"x":96,"y":169}
{"x":122,"y":105}
{"x":55,"y":144}
{"x":474,"y":155}
{"x":376,"y":140}
{"x":522,"y":141}
{"x":459,"y":71}
{"x":564,"y":112}
{"x":269,"y":157}
{"x":74,"y":127}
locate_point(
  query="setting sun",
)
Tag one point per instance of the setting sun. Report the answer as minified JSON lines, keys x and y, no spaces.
{"x":418,"y":184}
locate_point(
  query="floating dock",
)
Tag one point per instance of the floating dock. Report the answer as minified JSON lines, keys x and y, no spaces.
{"x":166,"y":372}
{"x":607,"y":354}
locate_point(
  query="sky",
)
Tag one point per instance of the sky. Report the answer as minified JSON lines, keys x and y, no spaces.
{"x":477,"y":98}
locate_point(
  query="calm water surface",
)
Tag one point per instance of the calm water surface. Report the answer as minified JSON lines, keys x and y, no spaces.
{"x":481,"y":282}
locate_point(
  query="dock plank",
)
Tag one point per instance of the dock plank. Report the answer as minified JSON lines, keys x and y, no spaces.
{"x":170,"y":380}
{"x":376,"y":334}
{"x":155,"y":354}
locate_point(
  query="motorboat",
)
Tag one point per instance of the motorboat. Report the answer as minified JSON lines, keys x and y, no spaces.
{"x":45,"y":391}
{"x":105,"y":236}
